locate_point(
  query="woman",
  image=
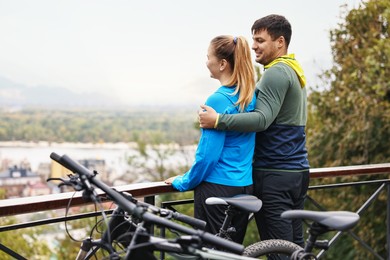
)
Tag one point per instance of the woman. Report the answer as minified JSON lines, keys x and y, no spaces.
{"x":223,"y":160}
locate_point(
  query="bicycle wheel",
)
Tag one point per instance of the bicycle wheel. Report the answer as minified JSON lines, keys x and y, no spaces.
{"x":271,"y":246}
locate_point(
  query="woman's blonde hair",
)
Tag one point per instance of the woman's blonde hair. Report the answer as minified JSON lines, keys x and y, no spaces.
{"x":236,"y":51}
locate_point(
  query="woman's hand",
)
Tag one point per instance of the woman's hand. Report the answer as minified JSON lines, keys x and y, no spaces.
{"x":207,"y":117}
{"x":170,"y":180}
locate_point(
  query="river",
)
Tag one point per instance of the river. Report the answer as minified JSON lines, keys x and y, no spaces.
{"x":114,"y":154}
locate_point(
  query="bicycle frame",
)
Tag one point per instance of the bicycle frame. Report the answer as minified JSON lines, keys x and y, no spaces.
{"x":190,"y":245}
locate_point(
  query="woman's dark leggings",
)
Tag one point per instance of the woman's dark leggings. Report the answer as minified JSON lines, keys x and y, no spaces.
{"x":215,"y":214}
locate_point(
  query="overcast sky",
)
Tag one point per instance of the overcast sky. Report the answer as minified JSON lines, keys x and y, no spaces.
{"x":149,"y":51}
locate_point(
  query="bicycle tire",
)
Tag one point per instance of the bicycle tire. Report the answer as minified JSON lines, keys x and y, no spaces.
{"x":271,"y":246}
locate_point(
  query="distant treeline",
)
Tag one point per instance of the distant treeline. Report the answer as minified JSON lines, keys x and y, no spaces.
{"x":148,"y":126}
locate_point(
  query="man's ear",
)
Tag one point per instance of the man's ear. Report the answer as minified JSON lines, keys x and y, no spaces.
{"x":281,"y":42}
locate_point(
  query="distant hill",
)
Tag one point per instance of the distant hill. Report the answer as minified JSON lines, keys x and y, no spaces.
{"x":13,"y":94}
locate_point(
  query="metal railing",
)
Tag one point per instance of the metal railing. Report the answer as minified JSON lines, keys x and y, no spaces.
{"x":148,"y":191}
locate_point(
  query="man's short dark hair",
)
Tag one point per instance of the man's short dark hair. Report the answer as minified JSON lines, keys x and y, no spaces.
{"x":275,"y":25}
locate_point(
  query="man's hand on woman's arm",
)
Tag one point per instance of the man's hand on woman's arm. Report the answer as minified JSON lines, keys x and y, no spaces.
{"x":207,"y":117}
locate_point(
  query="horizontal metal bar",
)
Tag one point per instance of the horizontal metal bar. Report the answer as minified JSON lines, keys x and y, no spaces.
{"x":345,"y":184}
{"x":52,"y":220}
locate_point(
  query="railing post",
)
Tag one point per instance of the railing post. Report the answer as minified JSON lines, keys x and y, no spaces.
{"x":11,"y":252}
{"x":151,"y":200}
{"x":388,"y":221}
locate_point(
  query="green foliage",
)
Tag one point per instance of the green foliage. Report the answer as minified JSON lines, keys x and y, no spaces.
{"x":77,"y":230}
{"x":252,"y":234}
{"x":99,"y":126}
{"x":349,"y":122}
{"x":27,"y":242}
{"x":371,"y":227}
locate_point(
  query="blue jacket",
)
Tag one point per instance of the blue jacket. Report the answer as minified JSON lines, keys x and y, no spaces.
{"x":222,"y":157}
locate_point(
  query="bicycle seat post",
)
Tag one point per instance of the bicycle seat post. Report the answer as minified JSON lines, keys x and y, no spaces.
{"x":229,"y":214}
{"x":314,"y":231}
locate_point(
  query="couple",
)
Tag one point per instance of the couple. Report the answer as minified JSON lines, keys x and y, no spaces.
{"x":239,"y":119}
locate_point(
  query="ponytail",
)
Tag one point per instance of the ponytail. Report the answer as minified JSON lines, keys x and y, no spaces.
{"x":236,"y":51}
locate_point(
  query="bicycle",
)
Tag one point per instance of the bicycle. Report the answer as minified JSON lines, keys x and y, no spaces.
{"x":137,"y":242}
{"x":322,"y":222}
{"x":250,"y":204}
{"x":120,"y":225}
{"x":129,"y":226}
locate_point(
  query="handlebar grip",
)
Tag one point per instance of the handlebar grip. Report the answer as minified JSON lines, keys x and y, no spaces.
{"x":194,"y":222}
{"x":70,"y":164}
{"x":55,"y":157}
{"x":62,"y":161}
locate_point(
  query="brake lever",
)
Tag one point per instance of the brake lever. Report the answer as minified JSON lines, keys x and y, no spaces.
{"x":55,"y":179}
{"x":72,"y":181}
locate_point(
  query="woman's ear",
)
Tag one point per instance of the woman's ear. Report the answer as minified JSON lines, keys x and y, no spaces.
{"x":222,"y":65}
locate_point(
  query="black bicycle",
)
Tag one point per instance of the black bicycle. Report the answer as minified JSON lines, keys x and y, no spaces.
{"x":250,"y":204}
{"x":128,"y":232}
{"x":321,"y":223}
{"x":122,"y":226}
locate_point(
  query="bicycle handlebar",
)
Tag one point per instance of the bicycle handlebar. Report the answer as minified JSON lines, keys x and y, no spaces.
{"x":87,"y":176}
{"x":194,"y":222}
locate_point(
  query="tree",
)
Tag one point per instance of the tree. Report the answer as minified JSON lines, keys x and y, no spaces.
{"x":350,"y":121}
{"x":26,"y":242}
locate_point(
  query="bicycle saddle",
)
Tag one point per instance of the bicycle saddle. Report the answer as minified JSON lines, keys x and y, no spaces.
{"x":244,"y":202}
{"x":336,"y":220}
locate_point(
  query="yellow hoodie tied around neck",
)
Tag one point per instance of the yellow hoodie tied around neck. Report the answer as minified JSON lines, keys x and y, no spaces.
{"x":293,"y":63}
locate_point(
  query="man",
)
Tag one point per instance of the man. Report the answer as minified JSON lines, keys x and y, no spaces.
{"x":280,"y":165}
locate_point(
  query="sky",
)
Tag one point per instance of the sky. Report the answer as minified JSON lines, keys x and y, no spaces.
{"x":149,"y":52}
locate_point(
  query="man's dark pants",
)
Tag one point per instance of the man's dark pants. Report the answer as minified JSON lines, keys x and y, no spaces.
{"x":280,"y":191}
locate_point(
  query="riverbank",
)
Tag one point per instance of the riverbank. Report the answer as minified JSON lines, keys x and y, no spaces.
{"x":78,"y":145}
{"x":115,"y":155}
